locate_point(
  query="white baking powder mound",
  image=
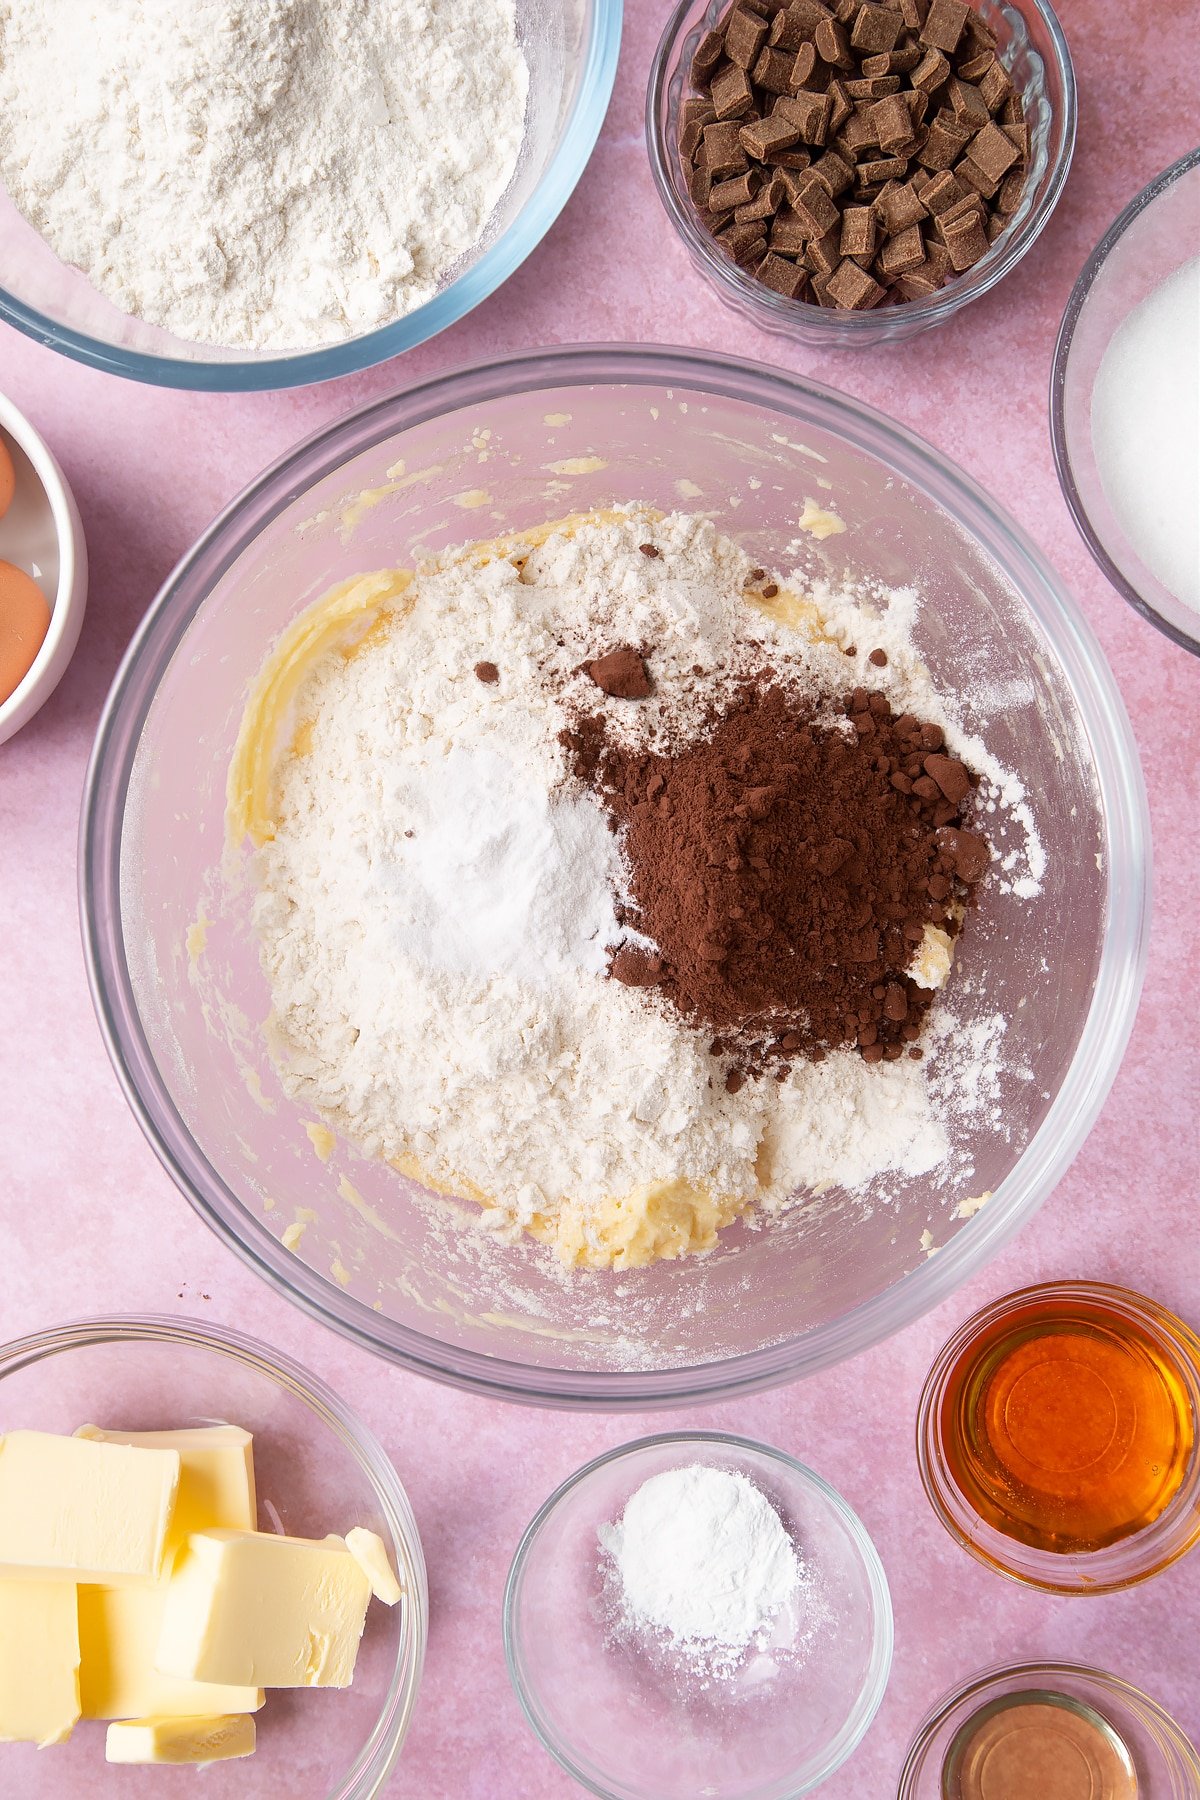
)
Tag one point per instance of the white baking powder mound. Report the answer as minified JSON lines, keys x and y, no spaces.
{"x":264,"y":174}
{"x":1146,"y":431}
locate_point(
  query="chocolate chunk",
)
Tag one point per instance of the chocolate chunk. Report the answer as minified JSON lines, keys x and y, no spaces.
{"x":745,"y":35}
{"x":732,"y":94}
{"x":994,"y":151}
{"x":832,"y":44}
{"x":853,"y":289}
{"x":967,"y":105}
{"x":763,"y":136}
{"x":773,"y":71}
{"x":995,"y":86}
{"x":781,"y":274}
{"x":720,"y":150}
{"x":930,"y":73}
{"x":842,"y":93}
{"x":945,"y":144}
{"x":903,"y":252}
{"x":810,"y":111}
{"x":943,"y":25}
{"x":875,"y":28}
{"x":966,"y":241}
{"x":893,"y":124}
{"x":739,"y":190}
{"x":622,"y":674}
{"x":709,"y":52}
{"x":833,"y":172}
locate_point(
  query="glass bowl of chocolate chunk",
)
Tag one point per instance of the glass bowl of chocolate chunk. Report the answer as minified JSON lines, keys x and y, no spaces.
{"x":852,"y":173}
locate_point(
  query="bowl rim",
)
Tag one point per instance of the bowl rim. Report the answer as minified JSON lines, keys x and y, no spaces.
{"x":838,"y":327}
{"x":1102,"y":1571}
{"x":870,"y":1697}
{"x":378,"y":1756}
{"x":597,"y":75}
{"x":979,"y":1685}
{"x":1118,"y":777}
{"x":70,"y":599}
{"x":1073,"y":312}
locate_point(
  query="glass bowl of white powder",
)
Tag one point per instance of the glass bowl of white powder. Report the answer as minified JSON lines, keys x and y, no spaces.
{"x":1125,"y":402}
{"x":279,"y":195}
{"x":901,"y":1164}
{"x":697,"y":1613}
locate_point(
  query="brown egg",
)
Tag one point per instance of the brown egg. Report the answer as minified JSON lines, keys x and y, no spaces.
{"x":8,"y":479}
{"x":24,"y":621}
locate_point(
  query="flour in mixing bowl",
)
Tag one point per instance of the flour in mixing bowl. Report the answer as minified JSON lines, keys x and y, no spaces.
{"x":264,"y":174}
{"x":442,"y":911}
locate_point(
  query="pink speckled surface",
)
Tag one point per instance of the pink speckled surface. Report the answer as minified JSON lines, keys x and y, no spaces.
{"x":90,"y":1221}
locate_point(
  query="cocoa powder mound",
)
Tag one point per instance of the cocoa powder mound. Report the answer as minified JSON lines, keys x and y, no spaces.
{"x":785,"y":868}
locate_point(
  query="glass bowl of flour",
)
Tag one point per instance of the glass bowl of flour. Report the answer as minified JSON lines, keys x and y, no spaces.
{"x":698,"y":1614}
{"x":1125,"y":402}
{"x":281,"y":195}
{"x":1042,"y":991}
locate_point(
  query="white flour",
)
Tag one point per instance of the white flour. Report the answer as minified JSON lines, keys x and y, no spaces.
{"x":266,"y":173}
{"x":442,"y":995}
{"x":703,"y":1562}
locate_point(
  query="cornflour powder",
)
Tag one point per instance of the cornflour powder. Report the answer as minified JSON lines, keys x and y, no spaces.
{"x":266,"y":174}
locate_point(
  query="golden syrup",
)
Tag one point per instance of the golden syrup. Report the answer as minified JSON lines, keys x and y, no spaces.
{"x":1067,"y":1423}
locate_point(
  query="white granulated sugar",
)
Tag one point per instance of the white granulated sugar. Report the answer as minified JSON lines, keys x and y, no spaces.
{"x":271,"y":174}
{"x":1146,"y":430}
{"x":703,"y":1563}
{"x":437,"y":904}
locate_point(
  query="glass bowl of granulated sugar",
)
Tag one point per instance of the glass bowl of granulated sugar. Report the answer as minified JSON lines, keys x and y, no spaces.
{"x":444,"y":1165}
{"x":698,"y":1614}
{"x":269,"y":197}
{"x":1125,"y":402}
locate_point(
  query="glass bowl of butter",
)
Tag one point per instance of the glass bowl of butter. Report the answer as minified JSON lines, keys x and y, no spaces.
{"x":799,"y":480}
{"x":205,"y":1559}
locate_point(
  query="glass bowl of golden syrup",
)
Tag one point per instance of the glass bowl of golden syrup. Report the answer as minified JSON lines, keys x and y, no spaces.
{"x":1058,"y":1437}
{"x":1049,"y":1731}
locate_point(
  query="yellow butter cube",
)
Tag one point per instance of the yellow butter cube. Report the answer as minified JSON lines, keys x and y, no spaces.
{"x":370,"y":1553}
{"x":217,"y":1739}
{"x":83,"y":1511}
{"x":119,"y":1626}
{"x":244,"y":1606}
{"x":39,"y":1662}
{"x":216,"y":1475}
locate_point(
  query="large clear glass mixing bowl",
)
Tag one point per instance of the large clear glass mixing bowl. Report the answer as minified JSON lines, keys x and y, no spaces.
{"x":175,"y":967}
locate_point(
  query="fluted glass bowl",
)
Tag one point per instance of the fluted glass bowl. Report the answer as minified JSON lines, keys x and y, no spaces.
{"x":571,"y":48}
{"x":174,"y":962}
{"x":1033,"y":48}
{"x":317,"y":1470}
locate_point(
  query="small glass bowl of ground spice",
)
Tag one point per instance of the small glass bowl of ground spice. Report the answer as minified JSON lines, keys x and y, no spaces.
{"x":695,"y":1613}
{"x":1058,"y":1437}
{"x":868,"y":262}
{"x":1036,"y":1730}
